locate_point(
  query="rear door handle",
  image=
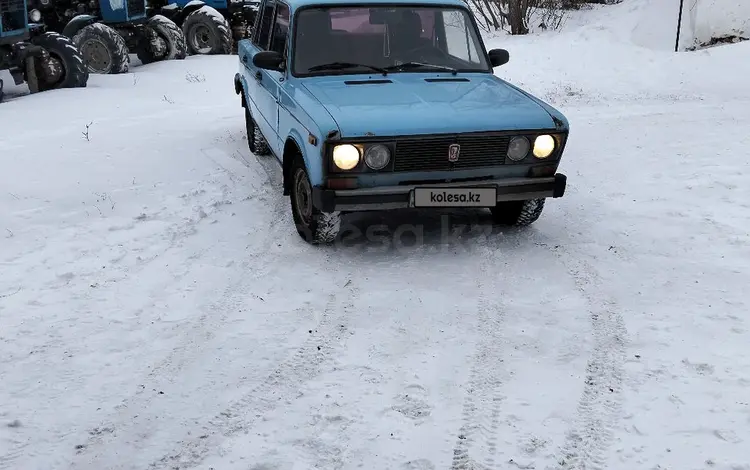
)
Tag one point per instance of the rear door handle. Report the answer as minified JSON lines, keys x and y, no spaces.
{"x":258,"y":76}
{"x":244,"y":59}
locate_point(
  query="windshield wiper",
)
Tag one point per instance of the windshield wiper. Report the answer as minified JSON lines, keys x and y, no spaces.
{"x":345,"y":65}
{"x":419,"y":65}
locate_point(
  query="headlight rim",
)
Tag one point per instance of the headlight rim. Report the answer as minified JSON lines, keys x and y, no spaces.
{"x":369,"y":149}
{"x":528,"y":149}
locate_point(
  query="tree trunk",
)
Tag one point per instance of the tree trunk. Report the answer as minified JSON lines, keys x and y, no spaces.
{"x":517,"y":17}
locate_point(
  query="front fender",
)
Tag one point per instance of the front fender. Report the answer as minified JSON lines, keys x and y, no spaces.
{"x":77,"y":23}
{"x":238,"y":83}
{"x":178,"y":15}
{"x":314,"y":168}
{"x":240,"y":87}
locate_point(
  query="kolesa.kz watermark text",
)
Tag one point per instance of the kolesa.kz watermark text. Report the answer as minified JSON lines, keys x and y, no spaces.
{"x":446,"y":197}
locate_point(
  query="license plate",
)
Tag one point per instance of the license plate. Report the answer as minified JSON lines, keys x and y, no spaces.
{"x":455,"y":197}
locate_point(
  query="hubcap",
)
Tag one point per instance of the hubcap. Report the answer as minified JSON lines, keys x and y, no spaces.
{"x":159,"y":47}
{"x":97,"y":56}
{"x":201,"y":39}
{"x":303,"y":196}
{"x":53,"y":70}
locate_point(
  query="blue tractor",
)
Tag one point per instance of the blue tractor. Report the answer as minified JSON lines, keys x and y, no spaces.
{"x":210,"y":26}
{"x":44,"y":60}
{"x":107,"y":31}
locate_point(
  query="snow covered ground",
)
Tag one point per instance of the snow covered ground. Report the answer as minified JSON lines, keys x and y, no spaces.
{"x":157,"y":310}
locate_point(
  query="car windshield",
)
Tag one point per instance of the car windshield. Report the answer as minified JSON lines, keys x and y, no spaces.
{"x":386,"y":38}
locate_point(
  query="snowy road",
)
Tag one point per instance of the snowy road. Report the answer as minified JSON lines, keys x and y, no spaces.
{"x":157,"y":310}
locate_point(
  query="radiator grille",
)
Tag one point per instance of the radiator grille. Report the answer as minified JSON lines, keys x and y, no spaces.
{"x":12,"y":15}
{"x":12,"y":6}
{"x":136,"y":8}
{"x":431,"y":153}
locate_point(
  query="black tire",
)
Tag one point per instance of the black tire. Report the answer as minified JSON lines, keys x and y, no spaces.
{"x":103,"y":49}
{"x":207,"y":32}
{"x":162,"y":40}
{"x":314,"y":226}
{"x":518,"y":213}
{"x":64,"y":68}
{"x":252,"y":136}
{"x":255,"y":140}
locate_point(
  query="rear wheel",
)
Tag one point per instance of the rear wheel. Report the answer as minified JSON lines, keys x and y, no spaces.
{"x":207,"y":32}
{"x":63,"y":66}
{"x":250,"y":129}
{"x":255,"y":140}
{"x":518,"y":213}
{"x":162,"y":40}
{"x":314,"y":226}
{"x":103,"y":49}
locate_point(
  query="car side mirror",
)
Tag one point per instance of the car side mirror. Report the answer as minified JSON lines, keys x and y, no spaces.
{"x":269,"y":60}
{"x":499,"y":57}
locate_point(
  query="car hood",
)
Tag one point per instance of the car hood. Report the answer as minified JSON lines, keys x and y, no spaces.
{"x":410,"y":104}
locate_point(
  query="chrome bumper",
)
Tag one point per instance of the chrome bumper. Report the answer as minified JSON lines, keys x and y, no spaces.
{"x":400,"y":197}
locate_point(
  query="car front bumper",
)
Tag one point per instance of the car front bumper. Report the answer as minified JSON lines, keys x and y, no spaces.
{"x":399,"y":197}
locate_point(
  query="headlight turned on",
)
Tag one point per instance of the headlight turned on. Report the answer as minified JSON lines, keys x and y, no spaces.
{"x":544,"y":145}
{"x":346,"y":156}
{"x":518,"y":148}
{"x":377,"y":157}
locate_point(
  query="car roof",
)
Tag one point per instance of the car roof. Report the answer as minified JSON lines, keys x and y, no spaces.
{"x":296,"y":4}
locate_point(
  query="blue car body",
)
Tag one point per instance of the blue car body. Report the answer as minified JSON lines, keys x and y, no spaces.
{"x":309,"y":114}
{"x":122,"y":11}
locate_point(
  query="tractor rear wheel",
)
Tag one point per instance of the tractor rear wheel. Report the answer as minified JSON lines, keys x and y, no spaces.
{"x":63,"y":65}
{"x":103,"y":49}
{"x":162,"y":40}
{"x":207,"y":32}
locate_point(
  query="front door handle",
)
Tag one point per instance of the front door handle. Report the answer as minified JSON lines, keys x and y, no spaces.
{"x":244,"y":59}
{"x":258,"y":76}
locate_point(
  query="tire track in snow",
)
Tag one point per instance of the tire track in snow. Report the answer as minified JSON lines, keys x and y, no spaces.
{"x":190,"y":342}
{"x":600,"y":404}
{"x":482,"y":405}
{"x":200,"y":331}
{"x":277,"y":388}
{"x":328,"y":335}
{"x":8,"y":459}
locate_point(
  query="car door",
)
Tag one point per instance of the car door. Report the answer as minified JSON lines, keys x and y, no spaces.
{"x":262,"y":94}
{"x":272,"y":80}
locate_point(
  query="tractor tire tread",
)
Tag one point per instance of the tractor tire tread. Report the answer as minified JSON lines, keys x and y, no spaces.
{"x":114,"y":42}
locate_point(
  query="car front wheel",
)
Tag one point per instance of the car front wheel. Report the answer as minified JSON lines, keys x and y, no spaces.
{"x":518,"y":213}
{"x":314,"y":226}
{"x":255,"y":140}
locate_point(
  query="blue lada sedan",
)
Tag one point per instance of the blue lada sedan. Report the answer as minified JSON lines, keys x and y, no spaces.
{"x":377,"y":105}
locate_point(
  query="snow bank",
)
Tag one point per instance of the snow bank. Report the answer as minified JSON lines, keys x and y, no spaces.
{"x":656,"y":21}
{"x":652,"y":24}
{"x":622,"y":52}
{"x":706,"y":19}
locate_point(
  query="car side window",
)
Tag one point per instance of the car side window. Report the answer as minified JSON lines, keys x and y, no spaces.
{"x":263,"y":33}
{"x":458,"y":39}
{"x":280,"y":29}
